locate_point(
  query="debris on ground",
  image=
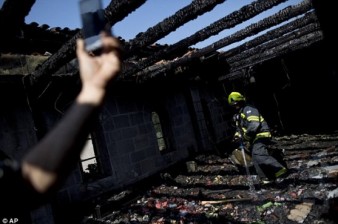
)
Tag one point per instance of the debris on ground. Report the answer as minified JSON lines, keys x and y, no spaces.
{"x":215,"y":190}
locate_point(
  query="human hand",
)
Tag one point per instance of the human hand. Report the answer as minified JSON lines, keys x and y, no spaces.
{"x":236,"y":139}
{"x":97,"y":71}
{"x":236,"y":118}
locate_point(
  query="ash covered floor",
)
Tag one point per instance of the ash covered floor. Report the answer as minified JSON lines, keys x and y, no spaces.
{"x":218,"y":191}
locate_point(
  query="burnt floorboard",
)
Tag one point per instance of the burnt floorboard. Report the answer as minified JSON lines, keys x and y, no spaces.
{"x":218,"y":191}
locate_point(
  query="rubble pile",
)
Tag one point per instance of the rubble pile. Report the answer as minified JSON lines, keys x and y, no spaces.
{"x":215,"y":190}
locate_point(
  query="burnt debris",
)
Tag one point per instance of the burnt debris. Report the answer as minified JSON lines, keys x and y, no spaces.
{"x":212,"y":189}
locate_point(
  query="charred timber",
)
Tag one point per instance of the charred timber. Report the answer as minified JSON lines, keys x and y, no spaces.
{"x":251,"y":30}
{"x":158,"y":70}
{"x":184,"y":15}
{"x":274,"y":52}
{"x":38,"y":39}
{"x":12,"y":17}
{"x":287,"y":28}
{"x":286,"y":38}
{"x":229,"y":21}
{"x":115,"y":11}
{"x":118,"y":10}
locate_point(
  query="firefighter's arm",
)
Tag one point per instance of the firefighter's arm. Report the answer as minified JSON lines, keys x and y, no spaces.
{"x":253,"y":123}
{"x":237,"y":135}
{"x":251,"y":130}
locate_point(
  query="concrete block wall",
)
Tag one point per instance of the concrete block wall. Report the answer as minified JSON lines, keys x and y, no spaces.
{"x":212,"y":115}
{"x":200,"y":119}
{"x":125,"y":137}
{"x":131,"y":139}
{"x":127,"y":141}
{"x":17,"y":132}
{"x":220,"y":113}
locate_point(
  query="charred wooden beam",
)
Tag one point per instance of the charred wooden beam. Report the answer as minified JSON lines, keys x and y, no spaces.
{"x":272,"y":34}
{"x":12,"y":17}
{"x":115,"y":11}
{"x":38,"y":40}
{"x":268,"y":45}
{"x":274,"y":52}
{"x":118,"y":10}
{"x":281,"y":46}
{"x":253,"y":29}
{"x":229,"y":21}
{"x":279,"y":17}
{"x":163,"y":28}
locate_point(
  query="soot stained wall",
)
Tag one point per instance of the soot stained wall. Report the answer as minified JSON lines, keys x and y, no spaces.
{"x":17,"y":133}
{"x":297,"y":94}
{"x":130,"y":137}
{"x":126,"y":139}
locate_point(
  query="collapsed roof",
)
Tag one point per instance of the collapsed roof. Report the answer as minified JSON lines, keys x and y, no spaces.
{"x":144,"y":61}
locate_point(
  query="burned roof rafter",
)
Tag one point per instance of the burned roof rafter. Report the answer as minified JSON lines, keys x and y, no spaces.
{"x":146,"y":68}
{"x":115,"y":11}
{"x":280,"y":50}
{"x":14,"y":11}
{"x":281,"y":16}
{"x":67,"y":52}
{"x":308,"y":18}
{"x":229,"y":21}
{"x":38,"y":40}
{"x":268,"y":45}
{"x":253,"y":29}
{"x":160,"y":30}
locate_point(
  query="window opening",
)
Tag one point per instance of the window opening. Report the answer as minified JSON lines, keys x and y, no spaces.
{"x":159,"y":133}
{"x":88,"y":160}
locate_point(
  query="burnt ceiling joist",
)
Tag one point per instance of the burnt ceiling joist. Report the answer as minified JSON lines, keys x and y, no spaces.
{"x":280,"y":50}
{"x":281,"y":47}
{"x":170,"y":24}
{"x":281,"y":16}
{"x":38,"y":40}
{"x":307,"y":19}
{"x":253,"y":29}
{"x":67,"y":52}
{"x":270,"y":44}
{"x":14,"y":11}
{"x":144,"y":61}
{"x":229,"y":21}
{"x":115,"y":11}
{"x":18,"y":37}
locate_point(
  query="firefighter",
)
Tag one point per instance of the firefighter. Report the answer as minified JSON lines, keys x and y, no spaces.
{"x":252,"y":128}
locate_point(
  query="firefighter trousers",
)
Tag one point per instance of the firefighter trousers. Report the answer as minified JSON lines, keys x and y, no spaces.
{"x":266,"y":166}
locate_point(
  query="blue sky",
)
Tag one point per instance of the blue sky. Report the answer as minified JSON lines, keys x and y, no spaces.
{"x":65,"y":13}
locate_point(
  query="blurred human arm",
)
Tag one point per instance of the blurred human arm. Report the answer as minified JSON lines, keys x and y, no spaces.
{"x":97,"y":71}
{"x":49,"y":162}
